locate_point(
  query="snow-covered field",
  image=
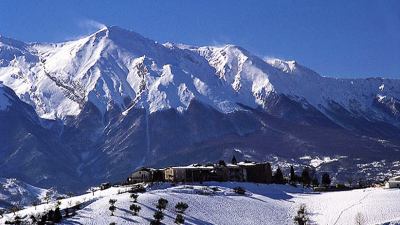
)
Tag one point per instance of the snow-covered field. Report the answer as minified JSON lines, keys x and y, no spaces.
{"x":262,"y":204}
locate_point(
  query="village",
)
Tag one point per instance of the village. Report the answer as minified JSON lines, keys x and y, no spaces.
{"x":248,"y":171}
{"x":221,"y":171}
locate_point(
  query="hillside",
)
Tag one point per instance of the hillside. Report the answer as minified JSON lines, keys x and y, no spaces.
{"x":262,"y":204}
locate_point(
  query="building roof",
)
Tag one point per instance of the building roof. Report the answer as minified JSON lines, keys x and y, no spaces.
{"x":395,"y":179}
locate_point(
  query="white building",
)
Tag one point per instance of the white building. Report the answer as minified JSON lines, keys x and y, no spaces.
{"x":393,"y":182}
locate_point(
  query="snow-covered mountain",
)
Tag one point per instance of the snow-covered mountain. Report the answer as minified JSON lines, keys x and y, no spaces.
{"x":114,"y":100}
{"x":118,"y":67}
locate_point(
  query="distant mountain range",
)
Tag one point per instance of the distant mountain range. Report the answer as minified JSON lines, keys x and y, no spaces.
{"x":76,"y":113}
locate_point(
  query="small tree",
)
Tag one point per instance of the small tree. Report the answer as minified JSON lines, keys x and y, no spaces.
{"x":57,"y":215}
{"x":181,"y":207}
{"x":326,"y":180}
{"x":158,"y":216}
{"x":47,"y":197}
{"x":43,"y":219}
{"x":278,"y":176}
{"x":179,"y":219}
{"x":234,"y":161}
{"x":292,"y":177}
{"x":162,"y":204}
{"x":239,"y":190}
{"x":50,"y":215}
{"x":301,"y":218}
{"x":359,"y":219}
{"x":221,"y":163}
{"x":135,"y":209}
{"x":15,"y":208}
{"x":35,"y":203}
{"x":305,"y":176}
{"x":112,"y":207}
{"x":134,"y":196}
{"x":112,"y":201}
{"x":2,"y":211}
{"x":315,"y":182}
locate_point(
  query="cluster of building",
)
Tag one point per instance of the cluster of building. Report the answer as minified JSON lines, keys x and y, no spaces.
{"x":236,"y":171}
{"x":393,"y":182}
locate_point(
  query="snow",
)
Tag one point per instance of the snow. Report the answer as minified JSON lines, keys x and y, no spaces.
{"x":216,"y":203}
{"x":113,"y":65}
{"x":13,"y":191}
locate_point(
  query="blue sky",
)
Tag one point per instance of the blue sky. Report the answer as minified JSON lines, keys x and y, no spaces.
{"x":335,"y":38}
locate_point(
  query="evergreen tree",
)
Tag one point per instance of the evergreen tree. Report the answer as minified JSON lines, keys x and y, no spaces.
{"x":278,"y":176}
{"x":2,"y":211}
{"x":234,"y":161}
{"x":179,"y":219}
{"x":57,"y":215}
{"x":221,"y":163}
{"x":305,"y":177}
{"x":43,"y":219}
{"x":181,"y":207}
{"x":135,"y":209}
{"x":326,"y":180}
{"x":315,"y":182}
{"x":293,"y":177}
{"x":50,"y":215}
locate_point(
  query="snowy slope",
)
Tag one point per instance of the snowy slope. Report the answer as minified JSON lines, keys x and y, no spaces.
{"x":15,"y":192}
{"x":262,"y":204}
{"x":116,"y":66}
